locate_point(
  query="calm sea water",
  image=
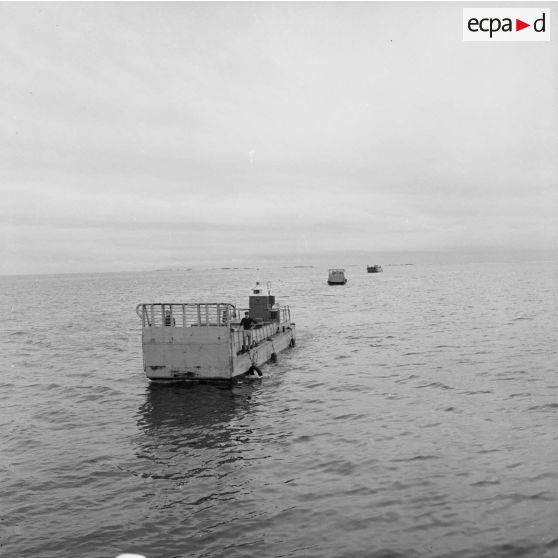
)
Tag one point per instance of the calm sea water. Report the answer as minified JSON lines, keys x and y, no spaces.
{"x":417,"y":416}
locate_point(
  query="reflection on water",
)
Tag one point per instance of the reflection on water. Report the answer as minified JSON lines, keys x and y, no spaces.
{"x":194,"y":431}
{"x":197,"y":444}
{"x":169,"y":409}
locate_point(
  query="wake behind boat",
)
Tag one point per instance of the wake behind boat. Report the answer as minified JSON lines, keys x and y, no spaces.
{"x":192,"y":341}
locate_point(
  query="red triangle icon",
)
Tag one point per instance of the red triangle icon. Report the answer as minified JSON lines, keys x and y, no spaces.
{"x":519,"y":25}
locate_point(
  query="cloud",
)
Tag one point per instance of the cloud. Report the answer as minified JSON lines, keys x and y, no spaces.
{"x":125,"y":129}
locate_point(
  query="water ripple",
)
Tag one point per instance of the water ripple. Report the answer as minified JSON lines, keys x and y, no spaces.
{"x":415,"y":417}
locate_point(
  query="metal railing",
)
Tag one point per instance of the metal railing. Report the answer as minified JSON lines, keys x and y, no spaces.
{"x":176,"y":314}
{"x":283,"y":314}
{"x":247,"y":339}
{"x":163,"y":314}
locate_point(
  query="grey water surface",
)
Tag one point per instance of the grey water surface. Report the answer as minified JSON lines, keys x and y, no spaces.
{"x":416,"y":416}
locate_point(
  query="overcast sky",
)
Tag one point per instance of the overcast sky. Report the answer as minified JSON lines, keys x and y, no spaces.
{"x":148,"y":135}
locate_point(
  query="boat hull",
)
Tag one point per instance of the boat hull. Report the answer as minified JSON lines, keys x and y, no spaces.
{"x":186,"y":354}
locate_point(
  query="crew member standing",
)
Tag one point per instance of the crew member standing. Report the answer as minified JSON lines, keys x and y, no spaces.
{"x":247,"y":323}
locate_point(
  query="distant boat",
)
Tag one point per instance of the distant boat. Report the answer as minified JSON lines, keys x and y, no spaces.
{"x":374,"y":268}
{"x":204,"y":341}
{"x":336,"y":277}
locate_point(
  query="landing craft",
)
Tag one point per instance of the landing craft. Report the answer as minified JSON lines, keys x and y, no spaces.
{"x":206,"y":341}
